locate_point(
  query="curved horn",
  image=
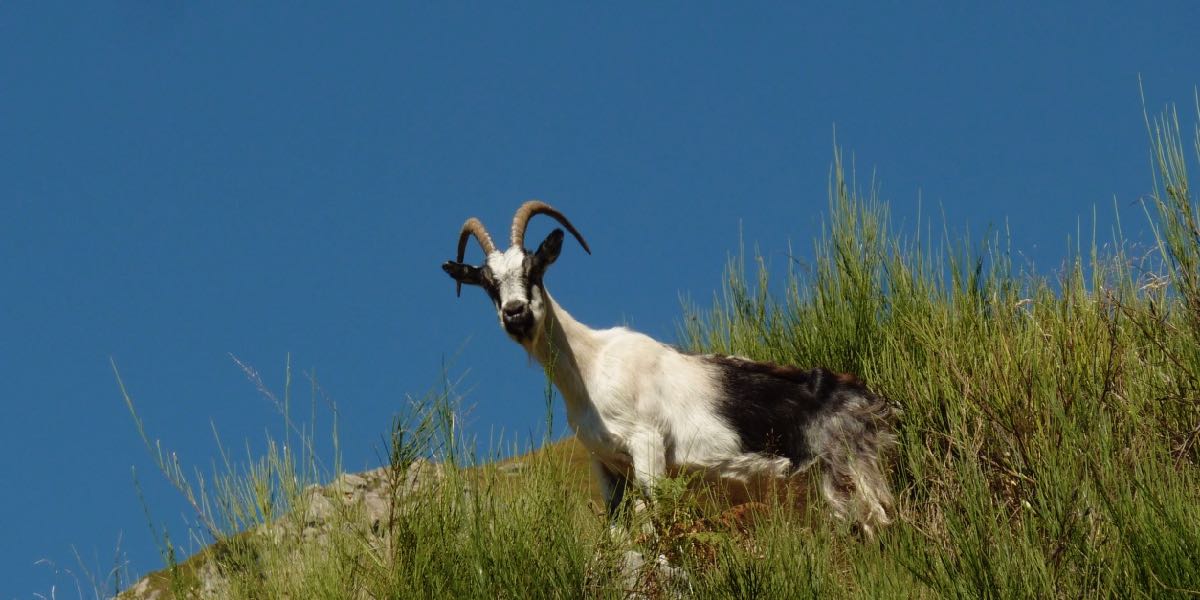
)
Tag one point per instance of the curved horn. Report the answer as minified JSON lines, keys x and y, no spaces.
{"x":537,"y":207}
{"x":473,"y":227}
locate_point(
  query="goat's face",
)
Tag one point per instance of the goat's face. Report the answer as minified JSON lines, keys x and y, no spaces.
{"x":513,"y":280}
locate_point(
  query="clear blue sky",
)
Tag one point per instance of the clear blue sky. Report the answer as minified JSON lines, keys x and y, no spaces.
{"x":184,"y":181}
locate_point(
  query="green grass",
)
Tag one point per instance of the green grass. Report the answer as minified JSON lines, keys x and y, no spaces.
{"x":1049,"y":444}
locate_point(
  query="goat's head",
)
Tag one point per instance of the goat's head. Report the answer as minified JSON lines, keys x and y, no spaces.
{"x":513,"y":278}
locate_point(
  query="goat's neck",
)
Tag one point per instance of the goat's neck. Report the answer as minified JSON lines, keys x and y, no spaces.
{"x":566,"y":348}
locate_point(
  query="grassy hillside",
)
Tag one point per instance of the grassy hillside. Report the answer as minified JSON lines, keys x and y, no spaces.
{"x":1049,"y":442}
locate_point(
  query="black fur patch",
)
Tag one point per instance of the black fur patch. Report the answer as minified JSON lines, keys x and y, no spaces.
{"x":489,"y":285}
{"x":770,"y":406}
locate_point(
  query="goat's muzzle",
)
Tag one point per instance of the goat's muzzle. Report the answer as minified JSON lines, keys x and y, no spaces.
{"x":517,"y":318}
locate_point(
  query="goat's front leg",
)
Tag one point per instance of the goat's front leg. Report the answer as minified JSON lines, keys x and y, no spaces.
{"x":612,"y":487}
{"x":648,"y":453}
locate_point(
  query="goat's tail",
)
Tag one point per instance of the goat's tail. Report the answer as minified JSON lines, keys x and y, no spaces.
{"x":853,"y":441}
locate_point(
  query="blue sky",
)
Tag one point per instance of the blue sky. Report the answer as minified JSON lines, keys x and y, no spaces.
{"x":181,"y":182}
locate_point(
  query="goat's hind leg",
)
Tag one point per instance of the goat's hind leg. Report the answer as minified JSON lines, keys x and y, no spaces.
{"x":852,"y":495}
{"x":852,"y":480}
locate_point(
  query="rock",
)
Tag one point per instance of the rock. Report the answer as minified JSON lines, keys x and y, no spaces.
{"x":637,"y":574}
{"x":513,"y":468}
{"x":367,"y":496}
{"x":143,"y":590}
{"x":212,"y":583}
{"x":632,"y":564}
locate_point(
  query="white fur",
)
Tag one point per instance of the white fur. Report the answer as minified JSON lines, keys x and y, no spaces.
{"x":507,"y":267}
{"x":640,"y":407}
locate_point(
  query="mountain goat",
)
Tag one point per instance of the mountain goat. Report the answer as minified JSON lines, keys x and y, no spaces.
{"x":644,"y":409}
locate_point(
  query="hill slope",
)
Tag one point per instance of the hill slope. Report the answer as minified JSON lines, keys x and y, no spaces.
{"x":1049,"y":445}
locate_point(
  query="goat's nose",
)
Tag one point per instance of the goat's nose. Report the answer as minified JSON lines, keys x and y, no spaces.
{"x":513,"y":308}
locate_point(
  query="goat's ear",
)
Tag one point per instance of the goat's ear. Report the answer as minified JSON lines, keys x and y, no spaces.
{"x":463,"y":274}
{"x":549,"y":250}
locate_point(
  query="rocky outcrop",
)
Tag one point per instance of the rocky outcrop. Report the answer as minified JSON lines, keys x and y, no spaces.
{"x":361,"y":500}
{"x":368,"y":503}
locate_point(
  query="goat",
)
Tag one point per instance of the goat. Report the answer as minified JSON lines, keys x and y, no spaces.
{"x":644,"y":409}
